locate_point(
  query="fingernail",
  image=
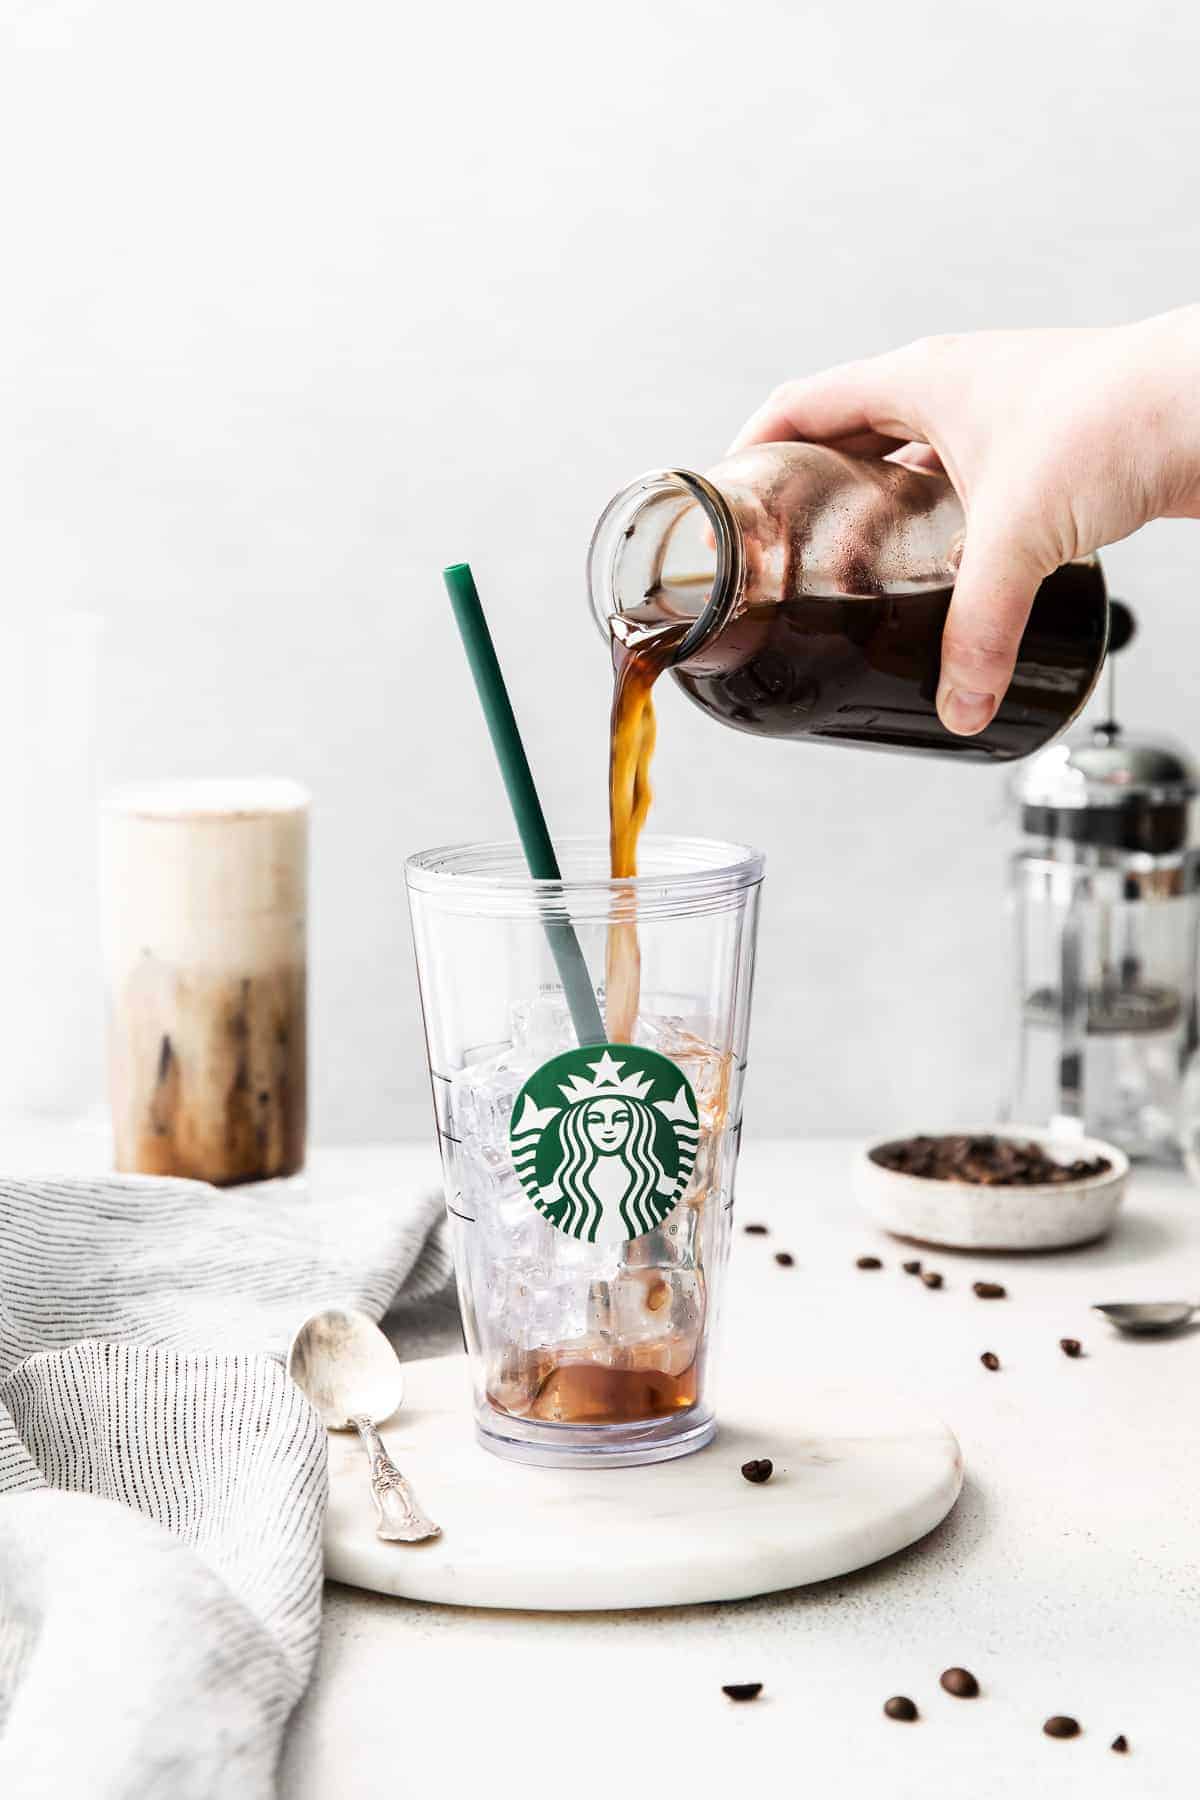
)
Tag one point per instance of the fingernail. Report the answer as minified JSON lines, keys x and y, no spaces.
{"x":965,"y":712}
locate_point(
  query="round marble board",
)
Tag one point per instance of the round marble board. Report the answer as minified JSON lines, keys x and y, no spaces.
{"x":857,"y":1476}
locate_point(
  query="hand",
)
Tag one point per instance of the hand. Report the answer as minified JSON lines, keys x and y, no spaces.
{"x":1057,"y":442}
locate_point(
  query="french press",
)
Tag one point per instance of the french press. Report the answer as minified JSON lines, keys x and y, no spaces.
{"x":1104,"y":892}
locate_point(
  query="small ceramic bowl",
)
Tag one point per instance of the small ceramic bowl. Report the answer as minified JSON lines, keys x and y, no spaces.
{"x":962,"y":1216}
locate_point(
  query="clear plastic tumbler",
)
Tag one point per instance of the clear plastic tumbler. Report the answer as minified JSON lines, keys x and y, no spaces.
{"x":589,"y":1184}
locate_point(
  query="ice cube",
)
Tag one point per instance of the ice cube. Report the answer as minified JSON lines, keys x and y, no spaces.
{"x":481,"y":1100}
{"x":658,"y":1306}
{"x":542,"y":1028}
{"x":670,"y":1244}
{"x":707,"y":1068}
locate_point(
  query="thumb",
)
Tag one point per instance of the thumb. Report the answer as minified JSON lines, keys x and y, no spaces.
{"x":997,"y":580}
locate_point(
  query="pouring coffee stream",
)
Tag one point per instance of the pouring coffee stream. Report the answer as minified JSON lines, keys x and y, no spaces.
{"x":641,"y":653}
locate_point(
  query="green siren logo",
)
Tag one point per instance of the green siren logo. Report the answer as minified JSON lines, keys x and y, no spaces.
{"x":604,"y":1140}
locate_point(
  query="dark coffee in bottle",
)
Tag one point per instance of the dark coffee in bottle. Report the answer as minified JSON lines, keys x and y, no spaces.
{"x":864,"y":670}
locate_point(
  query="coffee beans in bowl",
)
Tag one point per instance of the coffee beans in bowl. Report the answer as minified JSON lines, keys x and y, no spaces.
{"x":1010,"y":1189}
{"x":986,"y":1161}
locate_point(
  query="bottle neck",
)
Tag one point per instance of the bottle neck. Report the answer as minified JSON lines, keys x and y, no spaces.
{"x":667,"y":550}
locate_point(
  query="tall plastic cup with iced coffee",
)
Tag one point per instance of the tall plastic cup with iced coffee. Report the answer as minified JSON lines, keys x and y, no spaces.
{"x":589,"y":1184}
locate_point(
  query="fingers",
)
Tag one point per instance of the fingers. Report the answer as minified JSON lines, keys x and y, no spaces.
{"x":863,"y":407}
{"x":997,"y":581}
{"x":918,"y":456}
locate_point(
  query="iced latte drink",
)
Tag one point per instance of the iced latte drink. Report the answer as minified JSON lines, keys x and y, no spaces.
{"x":204,"y":894}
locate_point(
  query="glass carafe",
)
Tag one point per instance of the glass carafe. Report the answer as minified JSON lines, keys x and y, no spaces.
{"x":1104,"y":892}
{"x":809,"y":589}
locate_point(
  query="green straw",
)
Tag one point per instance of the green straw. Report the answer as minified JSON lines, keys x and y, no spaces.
{"x":522,"y":794}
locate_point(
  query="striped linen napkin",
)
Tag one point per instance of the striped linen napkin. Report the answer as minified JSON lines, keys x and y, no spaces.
{"x":162,"y":1483}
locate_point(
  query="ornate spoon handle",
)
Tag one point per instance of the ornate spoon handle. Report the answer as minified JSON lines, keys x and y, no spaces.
{"x":400,"y":1516}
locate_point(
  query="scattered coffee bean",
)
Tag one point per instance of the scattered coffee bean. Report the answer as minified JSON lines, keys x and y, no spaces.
{"x":1060,"y":1726}
{"x":784,"y":1258}
{"x":931,"y":1278}
{"x":961,"y":1683}
{"x":868,"y":1262}
{"x":755,"y":1230}
{"x":984,"y":1161}
{"x":743,"y":1690}
{"x":1120,"y":1744}
{"x":990,"y":1290}
{"x":900,"y":1707}
{"x":911,"y":1268}
{"x":760,"y":1469}
{"x":1070,"y":1346}
{"x":990,"y":1360}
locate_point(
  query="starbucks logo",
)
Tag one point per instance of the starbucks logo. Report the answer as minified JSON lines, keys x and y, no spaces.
{"x":604,"y":1140}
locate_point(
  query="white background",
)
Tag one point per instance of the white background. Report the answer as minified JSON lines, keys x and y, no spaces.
{"x":304,"y":302}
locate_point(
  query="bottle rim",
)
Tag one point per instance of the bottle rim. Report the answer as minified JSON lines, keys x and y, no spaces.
{"x":616,"y":525}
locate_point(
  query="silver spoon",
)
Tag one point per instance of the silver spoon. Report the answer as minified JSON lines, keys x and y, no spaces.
{"x":345,"y":1366}
{"x":1148,"y":1315}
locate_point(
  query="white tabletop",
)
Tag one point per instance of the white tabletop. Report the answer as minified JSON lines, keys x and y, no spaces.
{"x":1067,"y":1578}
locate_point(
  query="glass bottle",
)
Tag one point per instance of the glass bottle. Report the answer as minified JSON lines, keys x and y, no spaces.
{"x":809,"y":589}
